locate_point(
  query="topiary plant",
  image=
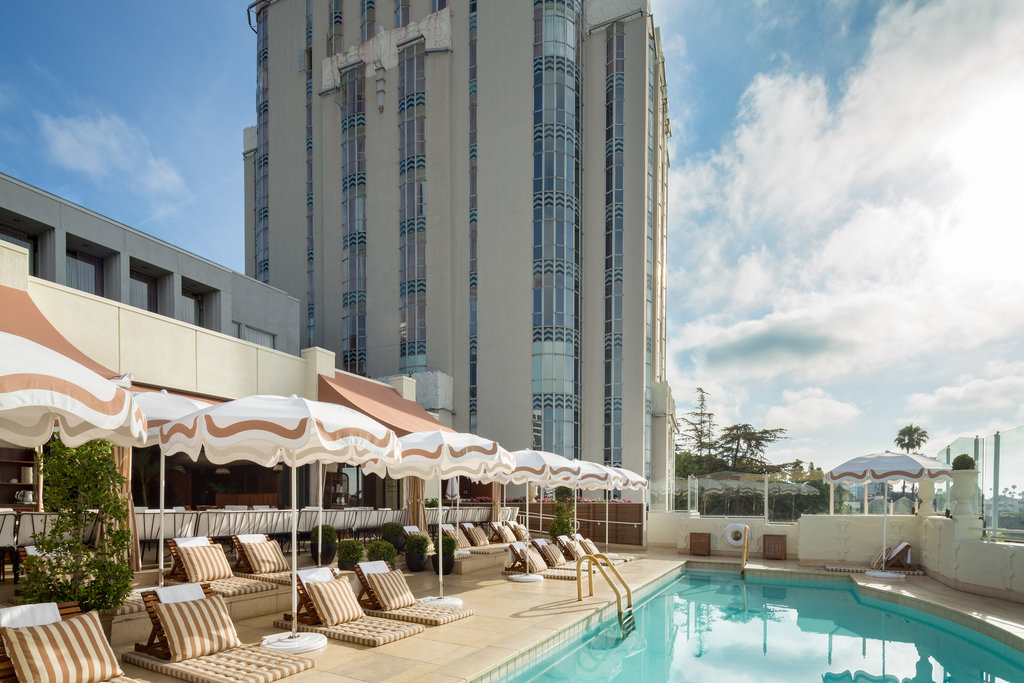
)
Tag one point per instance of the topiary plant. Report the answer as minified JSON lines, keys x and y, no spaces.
{"x":324,"y":533}
{"x":417,"y":544}
{"x":562,"y":522}
{"x":381,"y":550}
{"x":391,"y":530}
{"x":963,"y":462}
{"x":85,"y":486}
{"x":430,"y":503}
{"x":448,"y":546}
{"x":350,"y":550}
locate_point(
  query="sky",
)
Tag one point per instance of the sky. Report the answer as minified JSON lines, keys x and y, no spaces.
{"x":844,"y":213}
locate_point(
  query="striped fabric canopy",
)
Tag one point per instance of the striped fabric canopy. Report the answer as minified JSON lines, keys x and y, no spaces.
{"x":450,"y":454}
{"x":539,"y":467}
{"x":889,"y":466}
{"x":39,"y":387}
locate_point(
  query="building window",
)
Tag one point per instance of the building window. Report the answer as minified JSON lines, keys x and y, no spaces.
{"x":310,"y":252}
{"x":251,"y":334}
{"x":85,"y":272}
{"x":557,"y":261}
{"x":369,"y":15}
{"x":335,"y":43}
{"x":401,"y":13}
{"x":472,"y":218}
{"x":192,"y":308}
{"x":412,"y":227}
{"x":437,"y":5}
{"x":352,"y":100}
{"x":262,"y":171}
{"x":142,"y":291}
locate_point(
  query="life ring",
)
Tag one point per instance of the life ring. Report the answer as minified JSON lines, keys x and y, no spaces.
{"x":734,"y":534}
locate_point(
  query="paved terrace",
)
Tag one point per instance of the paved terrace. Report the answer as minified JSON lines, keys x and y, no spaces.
{"x":514,"y":623}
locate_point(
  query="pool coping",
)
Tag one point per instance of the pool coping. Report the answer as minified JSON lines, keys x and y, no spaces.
{"x":528,"y":655}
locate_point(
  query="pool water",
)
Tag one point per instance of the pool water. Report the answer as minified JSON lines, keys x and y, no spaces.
{"x":713,"y":626}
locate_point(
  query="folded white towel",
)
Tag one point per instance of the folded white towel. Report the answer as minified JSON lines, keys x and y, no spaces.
{"x":185,"y":592}
{"x":30,"y":615}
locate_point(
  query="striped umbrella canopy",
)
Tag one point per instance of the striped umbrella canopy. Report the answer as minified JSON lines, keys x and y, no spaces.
{"x":160,"y":407}
{"x":40,"y":388}
{"x":628,"y":479}
{"x":541,"y":468}
{"x":593,"y":476}
{"x":889,"y":466}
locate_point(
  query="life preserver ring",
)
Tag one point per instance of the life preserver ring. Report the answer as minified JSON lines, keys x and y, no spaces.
{"x":734,"y":534}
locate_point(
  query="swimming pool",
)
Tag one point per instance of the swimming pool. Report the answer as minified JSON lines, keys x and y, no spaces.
{"x":713,"y":626}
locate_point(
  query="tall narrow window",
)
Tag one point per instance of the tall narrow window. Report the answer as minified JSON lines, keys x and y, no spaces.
{"x":412,"y":209}
{"x":262,"y":191}
{"x":473,"y":215}
{"x":142,"y":291}
{"x":401,"y":13}
{"x":85,"y":272}
{"x":351,"y":99}
{"x":369,"y":15}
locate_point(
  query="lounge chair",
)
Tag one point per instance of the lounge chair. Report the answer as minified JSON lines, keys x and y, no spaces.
{"x":462,"y":544}
{"x":592,"y":549}
{"x":898,"y":559}
{"x":258,"y":557}
{"x":481,"y":543}
{"x":345,"y":620}
{"x":194,"y":639}
{"x":522,"y":534}
{"x":59,"y":634}
{"x":412,"y":530}
{"x":206,"y":562}
{"x":519,"y":553}
{"x":387,"y":595}
{"x":501,"y":533}
{"x":573,"y":550}
{"x":177,"y":570}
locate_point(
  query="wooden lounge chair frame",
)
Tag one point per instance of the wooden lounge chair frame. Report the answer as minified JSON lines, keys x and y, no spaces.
{"x":894,"y":559}
{"x":242,"y":564}
{"x":157,"y":644}
{"x":177,"y":570}
{"x":7,"y":673}
{"x":367,"y":597}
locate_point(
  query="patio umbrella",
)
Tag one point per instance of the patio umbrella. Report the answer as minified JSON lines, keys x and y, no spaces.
{"x":886,"y":467}
{"x":295,"y":431}
{"x":448,"y":454}
{"x":543,"y":469}
{"x":591,"y":476}
{"x":40,"y":387}
{"x":626,"y":479}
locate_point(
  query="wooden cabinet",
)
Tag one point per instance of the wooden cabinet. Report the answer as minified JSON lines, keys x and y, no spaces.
{"x":774,"y":547}
{"x":18,"y":473}
{"x":700,"y":543}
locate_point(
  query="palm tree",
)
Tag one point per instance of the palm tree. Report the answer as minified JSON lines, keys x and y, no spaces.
{"x":911,"y":438}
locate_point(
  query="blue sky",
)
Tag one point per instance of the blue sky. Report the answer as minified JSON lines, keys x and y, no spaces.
{"x":845,"y":233}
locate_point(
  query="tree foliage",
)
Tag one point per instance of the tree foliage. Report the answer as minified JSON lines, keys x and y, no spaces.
{"x":562,"y":519}
{"x":84,"y":485}
{"x":911,"y":438}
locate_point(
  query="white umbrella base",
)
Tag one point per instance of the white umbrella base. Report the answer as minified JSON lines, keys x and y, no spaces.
{"x":300,"y":642}
{"x":442,"y":602}
{"x":876,"y":574}
{"x":525,"y":578}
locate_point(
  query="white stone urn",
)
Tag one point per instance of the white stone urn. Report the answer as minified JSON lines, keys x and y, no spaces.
{"x":965,"y":487}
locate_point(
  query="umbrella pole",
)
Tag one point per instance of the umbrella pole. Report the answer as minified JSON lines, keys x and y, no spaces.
{"x":440,"y":546}
{"x":527,"y":526}
{"x":885,"y":519}
{"x":160,"y":548}
{"x":295,"y":555}
{"x":319,"y":515}
{"x":607,"y":500}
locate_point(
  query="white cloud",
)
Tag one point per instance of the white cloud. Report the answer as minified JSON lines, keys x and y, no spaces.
{"x":108,"y":150}
{"x":999,"y":393}
{"x":810,"y":410}
{"x":828,"y":238}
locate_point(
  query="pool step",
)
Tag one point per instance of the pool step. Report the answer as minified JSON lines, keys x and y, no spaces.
{"x":626,"y":621}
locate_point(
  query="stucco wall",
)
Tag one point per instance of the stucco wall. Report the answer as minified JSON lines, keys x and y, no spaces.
{"x":854,"y":539}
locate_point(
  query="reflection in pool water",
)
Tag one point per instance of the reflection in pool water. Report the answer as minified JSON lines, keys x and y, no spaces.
{"x":712,"y":626}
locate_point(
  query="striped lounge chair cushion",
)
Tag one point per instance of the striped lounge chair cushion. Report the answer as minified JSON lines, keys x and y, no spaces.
{"x":552,"y":555}
{"x":537,"y":562}
{"x":478,"y":536}
{"x":428,"y":615}
{"x":461,"y":540}
{"x":205,"y":563}
{"x":71,"y":650}
{"x":522,"y":534}
{"x":589,"y":546}
{"x":506,"y":534}
{"x":575,"y":549}
{"x":265,"y":558}
{"x":334,"y":601}
{"x":197,"y":627}
{"x":391,"y":590}
{"x":248,"y":664}
{"x":369,"y":631}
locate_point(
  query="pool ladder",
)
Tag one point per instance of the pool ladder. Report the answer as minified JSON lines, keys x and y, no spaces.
{"x":626,"y":621}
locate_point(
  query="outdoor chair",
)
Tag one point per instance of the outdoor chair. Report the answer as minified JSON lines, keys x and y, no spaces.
{"x":259,"y":557}
{"x":592,"y":549}
{"x":462,"y":544}
{"x":412,"y":530}
{"x":385,"y":594}
{"x":518,"y":554}
{"x":59,"y":634}
{"x":898,"y":558}
{"x":481,"y":544}
{"x":327,"y":605}
{"x":501,"y":533}
{"x":177,"y":570}
{"x":206,"y":562}
{"x":522,"y":534}
{"x":194,"y":639}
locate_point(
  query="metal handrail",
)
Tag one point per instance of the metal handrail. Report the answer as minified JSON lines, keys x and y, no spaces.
{"x":593,"y":561}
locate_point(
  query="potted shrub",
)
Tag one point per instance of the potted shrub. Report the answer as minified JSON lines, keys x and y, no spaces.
{"x":350,"y":551}
{"x":562,"y":522}
{"x":430,"y":503}
{"x":381,"y":550}
{"x":85,"y":486}
{"x":323,"y":542}
{"x":416,"y":552}
{"x":393,"y":533}
{"x":448,"y":546}
{"x":965,"y":484}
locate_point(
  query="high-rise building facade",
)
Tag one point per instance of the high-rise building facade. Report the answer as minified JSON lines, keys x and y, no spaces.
{"x":474,"y":192}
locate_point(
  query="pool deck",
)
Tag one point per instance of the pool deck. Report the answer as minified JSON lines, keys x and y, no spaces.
{"x":513,"y":623}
